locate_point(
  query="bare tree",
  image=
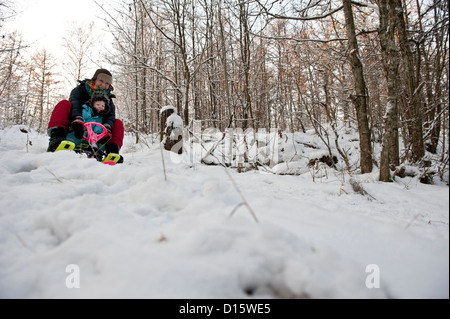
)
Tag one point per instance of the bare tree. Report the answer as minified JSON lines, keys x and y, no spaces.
{"x":360,"y":99}
{"x":223,"y":58}
{"x":413,"y":87}
{"x":11,"y":79}
{"x":244,"y":41}
{"x":298,"y":65}
{"x":434,"y":49}
{"x":44,"y":84}
{"x":79,"y":44}
{"x":389,"y":152}
{"x":6,"y":11}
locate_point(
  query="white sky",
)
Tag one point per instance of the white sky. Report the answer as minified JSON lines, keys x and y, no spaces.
{"x":43,"y":23}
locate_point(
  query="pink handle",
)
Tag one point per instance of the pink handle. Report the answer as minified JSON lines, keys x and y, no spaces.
{"x":93,"y":137}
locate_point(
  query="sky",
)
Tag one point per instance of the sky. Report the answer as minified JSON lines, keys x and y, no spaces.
{"x":43,"y":23}
{"x":72,"y":227}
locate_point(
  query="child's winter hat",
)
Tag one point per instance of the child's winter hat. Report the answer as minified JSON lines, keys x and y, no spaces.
{"x":99,"y":96}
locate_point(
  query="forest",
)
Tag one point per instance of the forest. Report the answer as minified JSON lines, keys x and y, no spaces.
{"x":381,"y":66}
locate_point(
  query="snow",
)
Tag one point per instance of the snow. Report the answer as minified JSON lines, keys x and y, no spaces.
{"x":167,"y":107}
{"x":174,"y":120}
{"x":125,"y":232}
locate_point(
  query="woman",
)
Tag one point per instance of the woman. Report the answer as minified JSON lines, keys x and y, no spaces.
{"x":67,"y":116}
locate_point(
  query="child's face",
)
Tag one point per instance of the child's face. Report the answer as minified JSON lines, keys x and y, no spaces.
{"x":99,"y":106}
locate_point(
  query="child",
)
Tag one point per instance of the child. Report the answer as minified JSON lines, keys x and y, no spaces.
{"x":93,"y":111}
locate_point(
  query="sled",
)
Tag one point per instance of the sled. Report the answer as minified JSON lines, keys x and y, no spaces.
{"x":111,"y":159}
{"x":65,"y":146}
{"x":89,"y":146}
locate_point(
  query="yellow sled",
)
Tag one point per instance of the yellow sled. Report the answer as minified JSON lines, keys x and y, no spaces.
{"x":111,"y":159}
{"x":65,"y":146}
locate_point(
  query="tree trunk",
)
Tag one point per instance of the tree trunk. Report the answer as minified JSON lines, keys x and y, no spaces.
{"x":440,"y":40}
{"x":386,"y":32}
{"x":412,"y":88}
{"x":245,"y":55}
{"x":136,"y":74}
{"x":223,"y":57}
{"x":360,"y":100}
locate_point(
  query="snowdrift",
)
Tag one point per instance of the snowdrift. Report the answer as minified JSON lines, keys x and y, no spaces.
{"x":72,"y":227}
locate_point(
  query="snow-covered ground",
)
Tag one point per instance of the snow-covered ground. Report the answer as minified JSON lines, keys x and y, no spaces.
{"x":71,"y":227}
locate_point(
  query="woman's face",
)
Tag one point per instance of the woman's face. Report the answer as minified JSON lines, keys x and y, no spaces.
{"x":101,"y":84}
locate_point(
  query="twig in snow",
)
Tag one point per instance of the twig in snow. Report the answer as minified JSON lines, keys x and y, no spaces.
{"x":244,"y":201}
{"x":162,"y":238}
{"x":235,"y":209}
{"x":57,"y":178}
{"x":412,"y":220}
{"x":437,"y":221}
{"x":163,"y":162}
{"x":23,"y":242}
